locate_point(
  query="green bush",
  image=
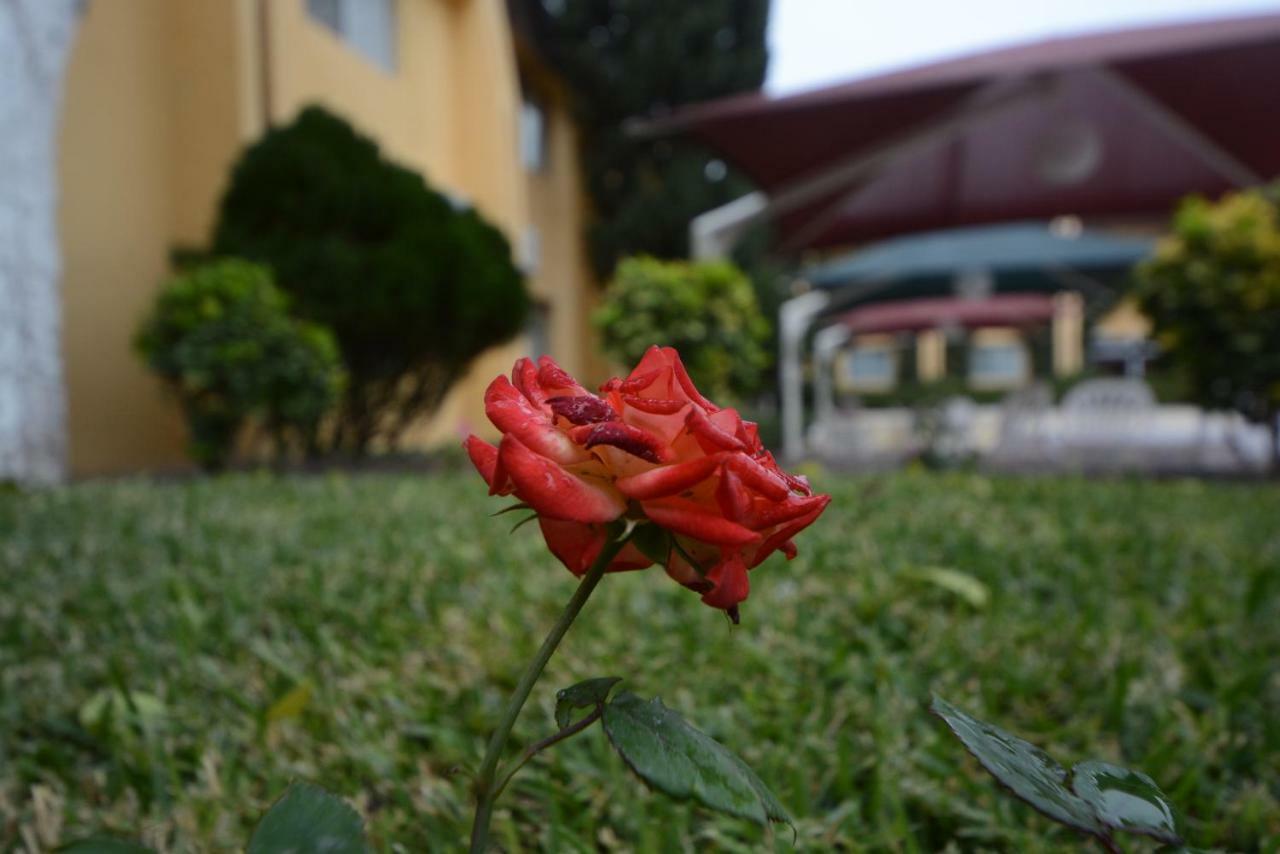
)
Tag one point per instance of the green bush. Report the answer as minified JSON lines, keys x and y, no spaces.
{"x":1212,"y":291}
{"x":222,"y":338}
{"x":413,"y":286}
{"x":706,"y":310}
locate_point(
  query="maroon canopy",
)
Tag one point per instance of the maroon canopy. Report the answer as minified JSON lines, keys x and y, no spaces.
{"x":1110,"y":125}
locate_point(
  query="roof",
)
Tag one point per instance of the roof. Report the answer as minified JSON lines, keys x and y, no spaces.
{"x":1115,"y":124}
{"x":1117,"y":46}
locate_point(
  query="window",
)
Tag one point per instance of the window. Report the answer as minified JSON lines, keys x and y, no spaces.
{"x":533,"y":135}
{"x":870,"y":369}
{"x":537,"y":330}
{"x":998,"y":364}
{"x":368,"y":26}
{"x":529,"y":251}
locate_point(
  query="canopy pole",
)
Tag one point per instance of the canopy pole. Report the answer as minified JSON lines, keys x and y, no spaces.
{"x":826,"y":343}
{"x":795,"y":316}
{"x":712,"y":234}
{"x":1222,"y":161}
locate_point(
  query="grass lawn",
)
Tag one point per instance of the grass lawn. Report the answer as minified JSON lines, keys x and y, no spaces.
{"x":363,"y":632}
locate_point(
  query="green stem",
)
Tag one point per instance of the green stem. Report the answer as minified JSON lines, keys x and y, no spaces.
{"x":486,"y":790}
{"x":539,"y":746}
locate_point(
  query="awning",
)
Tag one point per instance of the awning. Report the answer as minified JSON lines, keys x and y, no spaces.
{"x":1101,"y":126}
{"x":1016,"y":258}
{"x":994,"y":249}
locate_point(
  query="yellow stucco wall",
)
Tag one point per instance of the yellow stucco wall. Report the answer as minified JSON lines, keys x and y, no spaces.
{"x":557,"y":211}
{"x":162,"y":94}
{"x":117,"y":215}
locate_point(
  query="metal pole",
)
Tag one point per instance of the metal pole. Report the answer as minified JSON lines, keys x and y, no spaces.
{"x":794,"y":319}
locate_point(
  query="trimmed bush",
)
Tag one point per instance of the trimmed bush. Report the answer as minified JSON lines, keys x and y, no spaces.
{"x":706,"y":310}
{"x":413,"y":286}
{"x":1212,"y":291}
{"x":222,"y":338}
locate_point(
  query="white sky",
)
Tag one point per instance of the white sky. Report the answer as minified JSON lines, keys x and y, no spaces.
{"x":816,"y":42}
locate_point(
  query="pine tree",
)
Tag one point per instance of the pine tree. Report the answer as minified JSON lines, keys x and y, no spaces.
{"x":625,"y":59}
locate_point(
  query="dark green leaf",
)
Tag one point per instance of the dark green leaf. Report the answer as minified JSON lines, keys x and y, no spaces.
{"x":678,"y":760}
{"x":1026,"y":770}
{"x":104,"y":845}
{"x":525,"y":521}
{"x":653,"y":542}
{"x":514,"y":507}
{"x":1126,"y":800}
{"x":1101,"y":797}
{"x":309,"y":819}
{"x":584,"y":695}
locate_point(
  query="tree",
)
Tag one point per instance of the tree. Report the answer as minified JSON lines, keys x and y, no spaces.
{"x":706,"y":310}
{"x":1212,"y":291}
{"x":35,"y":41}
{"x":413,"y":285}
{"x":222,"y":338}
{"x":626,"y":59}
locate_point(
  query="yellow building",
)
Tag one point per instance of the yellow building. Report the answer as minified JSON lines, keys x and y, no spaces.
{"x":161,"y":96}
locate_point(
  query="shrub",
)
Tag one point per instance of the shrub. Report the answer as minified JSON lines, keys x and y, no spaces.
{"x":706,"y":310}
{"x":413,"y":286}
{"x":1212,"y":291}
{"x":222,"y":338}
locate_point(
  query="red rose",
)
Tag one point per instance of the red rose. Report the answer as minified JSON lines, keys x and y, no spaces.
{"x":648,"y":447}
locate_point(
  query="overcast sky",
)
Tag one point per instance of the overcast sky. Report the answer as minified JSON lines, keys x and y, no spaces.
{"x":815,"y":42}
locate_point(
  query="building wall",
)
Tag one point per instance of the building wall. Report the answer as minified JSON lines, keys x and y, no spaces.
{"x":557,"y":203}
{"x":117,"y":216}
{"x":162,"y":95}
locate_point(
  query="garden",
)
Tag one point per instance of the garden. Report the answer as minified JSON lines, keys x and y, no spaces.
{"x":174,"y":654}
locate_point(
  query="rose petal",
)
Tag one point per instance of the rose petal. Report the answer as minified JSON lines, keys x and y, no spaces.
{"x":524,"y":376}
{"x":732,"y":497}
{"x":633,"y":440}
{"x":693,"y":520}
{"x":779,"y":539}
{"x":757,"y":477}
{"x":552,"y":376}
{"x":637,"y":382}
{"x":764,"y":515}
{"x":553,"y":492}
{"x":578,"y":545}
{"x":654,"y":405}
{"x":513,"y":414}
{"x":485,"y":458}
{"x":685,"y":574}
{"x":711,"y":437}
{"x":669,"y":480}
{"x":582,"y":409}
{"x":653,"y":368}
{"x":729,"y":580}
{"x":682,"y":377}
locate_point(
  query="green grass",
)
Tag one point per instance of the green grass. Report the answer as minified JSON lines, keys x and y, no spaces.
{"x":1137,"y":622}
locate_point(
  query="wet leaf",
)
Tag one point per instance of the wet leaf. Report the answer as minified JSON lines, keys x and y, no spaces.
{"x":587,"y":694}
{"x":309,"y":819}
{"x":653,"y":542}
{"x":1099,"y":799}
{"x":1024,"y":769}
{"x":1126,"y":800}
{"x":678,"y":760}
